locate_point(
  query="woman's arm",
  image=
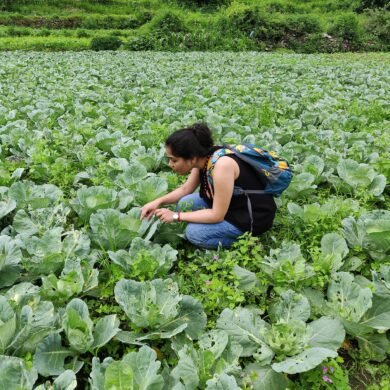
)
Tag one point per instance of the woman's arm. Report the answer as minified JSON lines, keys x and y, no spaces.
{"x":226,"y":170}
{"x":187,"y":188}
{"x":174,"y":196}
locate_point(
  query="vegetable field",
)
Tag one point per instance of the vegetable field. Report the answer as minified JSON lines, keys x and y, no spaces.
{"x":92,"y":297}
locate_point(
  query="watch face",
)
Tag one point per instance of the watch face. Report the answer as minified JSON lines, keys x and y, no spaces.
{"x":175,"y":216}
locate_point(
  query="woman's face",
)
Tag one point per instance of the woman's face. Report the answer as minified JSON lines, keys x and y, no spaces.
{"x":179,"y":165}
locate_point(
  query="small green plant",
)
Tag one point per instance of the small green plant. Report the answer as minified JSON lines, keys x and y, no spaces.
{"x":208,"y":277}
{"x":328,"y":375}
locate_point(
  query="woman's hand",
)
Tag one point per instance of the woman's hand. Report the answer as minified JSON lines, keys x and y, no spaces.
{"x":165,"y":215}
{"x":149,"y":209}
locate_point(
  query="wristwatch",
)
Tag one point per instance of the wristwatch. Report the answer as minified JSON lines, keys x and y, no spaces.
{"x":175,"y":217}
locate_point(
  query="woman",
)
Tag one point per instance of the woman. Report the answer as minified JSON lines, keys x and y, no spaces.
{"x":216,"y":217}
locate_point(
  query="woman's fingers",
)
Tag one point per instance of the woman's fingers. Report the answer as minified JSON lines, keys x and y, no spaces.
{"x":147,"y":213}
{"x":164,"y":215}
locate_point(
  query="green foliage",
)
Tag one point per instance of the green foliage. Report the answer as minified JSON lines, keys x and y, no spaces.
{"x":301,"y":25}
{"x":81,"y":150}
{"x":246,"y":18}
{"x":220,"y":25}
{"x":329,"y":375}
{"x":105,"y":43}
{"x":204,"y":3}
{"x":158,"y":307}
{"x":372,"y":4}
{"x":167,"y":22}
{"x":378,"y":24}
{"x":144,"y":260}
{"x":210,"y":279}
{"x":16,"y":374}
{"x":347,"y":27}
{"x":136,"y":370}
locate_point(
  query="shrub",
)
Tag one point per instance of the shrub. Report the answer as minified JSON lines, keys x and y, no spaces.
{"x":372,"y":4}
{"x":41,"y":32}
{"x":284,"y":8}
{"x":302,"y":25}
{"x":18,"y":32}
{"x":202,"y":3}
{"x":120,"y":33}
{"x":378,"y":25}
{"x":105,"y":43}
{"x":67,"y":33}
{"x":82,"y":34}
{"x":168,"y":21}
{"x":6,"y":5}
{"x":346,"y":27}
{"x":319,"y":43}
{"x":140,"y":43}
{"x":244,"y":18}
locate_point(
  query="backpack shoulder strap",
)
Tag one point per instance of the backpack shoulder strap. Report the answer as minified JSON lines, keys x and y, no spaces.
{"x":243,"y":157}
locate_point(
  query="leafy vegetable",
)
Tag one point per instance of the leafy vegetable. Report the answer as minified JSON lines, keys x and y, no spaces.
{"x":145,"y":260}
{"x":81,"y":333}
{"x":158,"y":307}
{"x":113,"y":230}
{"x":15,"y":374}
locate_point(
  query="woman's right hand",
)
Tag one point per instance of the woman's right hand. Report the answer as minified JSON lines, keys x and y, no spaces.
{"x":149,"y":209}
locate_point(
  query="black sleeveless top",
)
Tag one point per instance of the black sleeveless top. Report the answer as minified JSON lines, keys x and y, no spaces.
{"x":263,"y":206}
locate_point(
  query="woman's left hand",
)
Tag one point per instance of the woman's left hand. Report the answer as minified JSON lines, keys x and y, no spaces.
{"x":165,"y":215}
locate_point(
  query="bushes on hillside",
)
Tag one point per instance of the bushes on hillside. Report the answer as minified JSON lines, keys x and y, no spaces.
{"x":378,"y":25}
{"x":346,"y":27}
{"x":168,"y":22}
{"x":261,"y":26}
{"x":238,"y":26}
{"x":372,"y":4}
{"x":191,"y":41}
{"x":203,"y":3}
{"x":245,"y":18}
{"x":302,"y":25}
{"x":105,"y":43}
{"x":283,"y":7}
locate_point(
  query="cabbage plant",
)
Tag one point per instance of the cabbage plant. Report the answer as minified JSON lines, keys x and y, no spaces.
{"x":361,"y":177}
{"x":289,"y":344}
{"x":364,"y":313}
{"x":82,"y":334}
{"x":145,"y":260}
{"x":155,"y":309}
{"x":370,"y":232}
{"x":136,"y":370}
{"x":113,"y":230}
{"x":91,"y":199}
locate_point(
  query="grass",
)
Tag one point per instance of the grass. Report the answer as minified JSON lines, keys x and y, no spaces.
{"x":70,"y":7}
{"x":44,"y":43}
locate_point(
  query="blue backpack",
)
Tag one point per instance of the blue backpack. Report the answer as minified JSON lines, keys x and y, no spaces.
{"x":272,"y":170}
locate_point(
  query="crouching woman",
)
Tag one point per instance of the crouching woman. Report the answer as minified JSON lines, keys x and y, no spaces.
{"x":215,"y":217}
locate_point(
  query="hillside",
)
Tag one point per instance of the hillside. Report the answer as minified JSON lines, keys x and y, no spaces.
{"x":185,"y":25}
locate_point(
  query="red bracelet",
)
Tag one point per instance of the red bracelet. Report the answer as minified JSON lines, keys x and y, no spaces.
{"x":178,"y":217}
